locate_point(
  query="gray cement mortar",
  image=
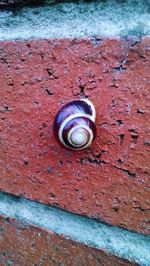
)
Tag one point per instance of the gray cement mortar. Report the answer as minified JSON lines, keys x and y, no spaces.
{"x":76,"y":19}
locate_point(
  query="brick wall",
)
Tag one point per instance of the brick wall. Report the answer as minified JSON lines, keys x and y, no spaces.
{"x":56,"y":250}
{"x":110,"y":180}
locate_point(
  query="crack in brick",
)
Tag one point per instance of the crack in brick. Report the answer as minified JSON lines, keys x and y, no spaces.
{"x":125,"y":171}
{"x":93,"y":158}
{"x":49,"y":92}
{"x":51,"y":73}
{"x":141,"y":209}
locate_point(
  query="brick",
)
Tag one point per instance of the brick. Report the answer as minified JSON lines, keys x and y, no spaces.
{"x":109,"y":181}
{"x":34,"y":246}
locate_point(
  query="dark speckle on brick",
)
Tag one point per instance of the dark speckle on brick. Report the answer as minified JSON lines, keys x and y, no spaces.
{"x":49,"y":169}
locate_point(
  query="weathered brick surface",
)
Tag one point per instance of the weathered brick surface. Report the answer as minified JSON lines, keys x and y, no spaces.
{"x":109,"y":181}
{"x":22,"y":244}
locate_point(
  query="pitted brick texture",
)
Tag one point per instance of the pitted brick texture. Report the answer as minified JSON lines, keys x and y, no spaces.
{"x":109,"y":181}
{"x":22,"y":244}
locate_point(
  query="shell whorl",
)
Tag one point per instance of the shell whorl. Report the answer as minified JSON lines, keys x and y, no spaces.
{"x":74,"y":124}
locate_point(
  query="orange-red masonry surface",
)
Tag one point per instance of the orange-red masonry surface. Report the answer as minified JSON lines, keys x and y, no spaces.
{"x":110,"y":180}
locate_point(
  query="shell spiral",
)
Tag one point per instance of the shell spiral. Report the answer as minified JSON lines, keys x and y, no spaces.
{"x":74,"y":124}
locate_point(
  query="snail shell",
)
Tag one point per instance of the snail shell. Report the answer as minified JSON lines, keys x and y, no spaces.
{"x":74,"y":124}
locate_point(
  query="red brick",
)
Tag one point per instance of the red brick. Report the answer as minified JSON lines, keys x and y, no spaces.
{"x":34,"y":246}
{"x":109,"y":181}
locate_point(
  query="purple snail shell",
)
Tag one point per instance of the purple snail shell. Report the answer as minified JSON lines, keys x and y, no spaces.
{"x":74,"y":124}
